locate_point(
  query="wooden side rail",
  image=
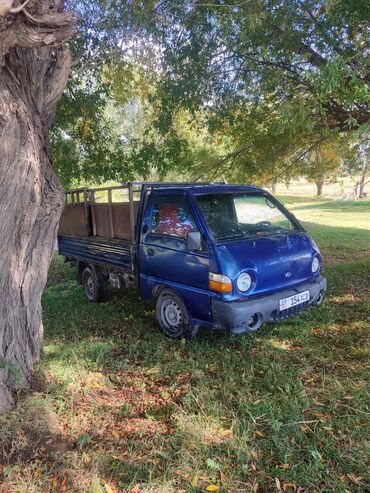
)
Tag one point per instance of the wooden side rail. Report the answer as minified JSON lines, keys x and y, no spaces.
{"x":97,"y":212}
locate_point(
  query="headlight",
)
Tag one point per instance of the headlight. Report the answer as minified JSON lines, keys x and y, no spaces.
{"x":315,"y":265}
{"x":244,"y":282}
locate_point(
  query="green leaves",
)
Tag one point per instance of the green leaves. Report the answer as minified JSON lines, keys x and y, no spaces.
{"x":173,"y":88}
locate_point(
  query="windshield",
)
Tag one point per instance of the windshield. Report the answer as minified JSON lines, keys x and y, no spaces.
{"x":243,"y":215}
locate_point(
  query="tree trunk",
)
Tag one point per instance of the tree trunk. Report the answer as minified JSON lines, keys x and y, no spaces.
{"x":31,"y":201}
{"x":319,"y":185}
{"x":361,"y":183}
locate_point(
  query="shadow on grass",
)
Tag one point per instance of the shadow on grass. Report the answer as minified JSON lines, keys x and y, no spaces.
{"x":337,"y":206}
{"x":138,"y":408}
{"x":338,"y":242}
{"x":123,"y":332}
{"x":294,"y":199}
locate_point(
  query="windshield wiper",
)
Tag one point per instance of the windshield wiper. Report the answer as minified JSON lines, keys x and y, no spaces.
{"x":240,"y":235}
{"x":231,"y":237}
{"x":258,"y":233}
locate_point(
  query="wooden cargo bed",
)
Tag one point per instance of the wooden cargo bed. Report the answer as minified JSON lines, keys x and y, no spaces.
{"x":117,"y":254}
{"x":109,"y":212}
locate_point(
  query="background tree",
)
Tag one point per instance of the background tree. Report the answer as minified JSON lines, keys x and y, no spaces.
{"x":274,"y":78}
{"x":322,"y":164}
{"x":89,"y":144}
{"x":98,"y":131}
{"x":34,"y":68}
{"x":356,"y":159}
{"x":264,"y":82}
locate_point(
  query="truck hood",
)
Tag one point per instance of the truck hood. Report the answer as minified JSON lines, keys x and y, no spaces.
{"x":275,"y":262}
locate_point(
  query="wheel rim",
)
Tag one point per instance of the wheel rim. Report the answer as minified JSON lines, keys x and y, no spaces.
{"x":90,"y":286}
{"x":172,"y":315}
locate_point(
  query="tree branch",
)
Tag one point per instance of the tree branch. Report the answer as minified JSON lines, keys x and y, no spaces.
{"x":57,"y":80}
{"x":311,"y":148}
{"x":233,"y":155}
{"x":55,"y":29}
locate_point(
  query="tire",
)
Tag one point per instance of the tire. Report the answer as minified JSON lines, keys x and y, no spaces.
{"x":94,"y":284}
{"x":172,"y":316}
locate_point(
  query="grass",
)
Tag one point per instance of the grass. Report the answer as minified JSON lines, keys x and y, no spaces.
{"x":118,"y":407}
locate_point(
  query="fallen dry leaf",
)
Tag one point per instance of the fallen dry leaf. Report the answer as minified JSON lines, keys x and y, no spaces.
{"x":260,"y":434}
{"x":227,"y":433}
{"x":194,"y":481}
{"x":255,"y":455}
{"x":108,"y":488}
{"x":278,"y":484}
{"x":355,"y":479}
{"x":212,"y":487}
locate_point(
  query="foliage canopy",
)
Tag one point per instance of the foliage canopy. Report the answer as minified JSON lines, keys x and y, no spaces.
{"x":246,"y":89}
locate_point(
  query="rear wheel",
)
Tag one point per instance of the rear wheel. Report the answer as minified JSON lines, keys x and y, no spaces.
{"x":173,"y":317}
{"x":94,"y":284}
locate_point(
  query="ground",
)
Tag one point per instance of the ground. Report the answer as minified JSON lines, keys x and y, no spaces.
{"x":118,"y":407}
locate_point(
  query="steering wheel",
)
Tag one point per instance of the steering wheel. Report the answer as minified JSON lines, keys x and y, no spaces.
{"x":265,"y":224}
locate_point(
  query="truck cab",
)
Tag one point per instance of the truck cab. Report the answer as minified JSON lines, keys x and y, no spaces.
{"x":214,"y":256}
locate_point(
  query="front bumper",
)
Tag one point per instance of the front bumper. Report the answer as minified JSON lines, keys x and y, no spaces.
{"x":248,"y":316}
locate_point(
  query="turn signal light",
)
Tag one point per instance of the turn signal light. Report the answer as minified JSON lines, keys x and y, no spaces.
{"x":220,"y":283}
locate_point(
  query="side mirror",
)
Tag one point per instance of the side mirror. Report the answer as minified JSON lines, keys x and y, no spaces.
{"x":194,"y":241}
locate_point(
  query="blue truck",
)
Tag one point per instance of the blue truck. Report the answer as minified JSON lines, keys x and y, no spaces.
{"x":209,"y":255}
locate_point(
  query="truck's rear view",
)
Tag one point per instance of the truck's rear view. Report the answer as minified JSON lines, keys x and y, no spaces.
{"x":97,"y":230}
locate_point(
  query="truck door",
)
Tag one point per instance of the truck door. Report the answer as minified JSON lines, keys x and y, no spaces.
{"x":163,"y":254}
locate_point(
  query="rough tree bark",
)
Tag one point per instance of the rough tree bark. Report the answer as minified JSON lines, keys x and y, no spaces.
{"x":319,"y":186}
{"x":34,"y":68}
{"x":362,"y":182}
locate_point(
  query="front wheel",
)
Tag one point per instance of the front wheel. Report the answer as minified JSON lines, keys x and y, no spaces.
{"x":94,"y":284}
{"x":173,"y":317}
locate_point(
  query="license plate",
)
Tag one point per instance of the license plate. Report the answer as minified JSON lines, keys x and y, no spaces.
{"x":294,"y":300}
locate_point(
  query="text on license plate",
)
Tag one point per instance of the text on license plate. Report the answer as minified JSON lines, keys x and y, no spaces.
{"x":294,"y":300}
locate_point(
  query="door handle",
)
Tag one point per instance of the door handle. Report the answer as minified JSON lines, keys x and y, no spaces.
{"x":150,"y":251}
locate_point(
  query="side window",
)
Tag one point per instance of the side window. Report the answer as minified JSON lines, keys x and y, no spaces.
{"x":172,"y":217}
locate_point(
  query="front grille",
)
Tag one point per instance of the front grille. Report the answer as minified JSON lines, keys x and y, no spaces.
{"x":289,"y":312}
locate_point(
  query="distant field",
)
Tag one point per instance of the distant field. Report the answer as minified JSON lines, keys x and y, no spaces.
{"x":342,"y":188}
{"x":118,"y":407}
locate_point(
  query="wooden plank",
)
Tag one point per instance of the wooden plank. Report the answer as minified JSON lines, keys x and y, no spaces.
{"x":101,"y":212}
{"x":92,"y":196}
{"x":132,"y":212}
{"x":87,"y":214}
{"x":121,"y":218}
{"x":110,"y":212}
{"x":73,"y":220}
{"x":140,"y":184}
